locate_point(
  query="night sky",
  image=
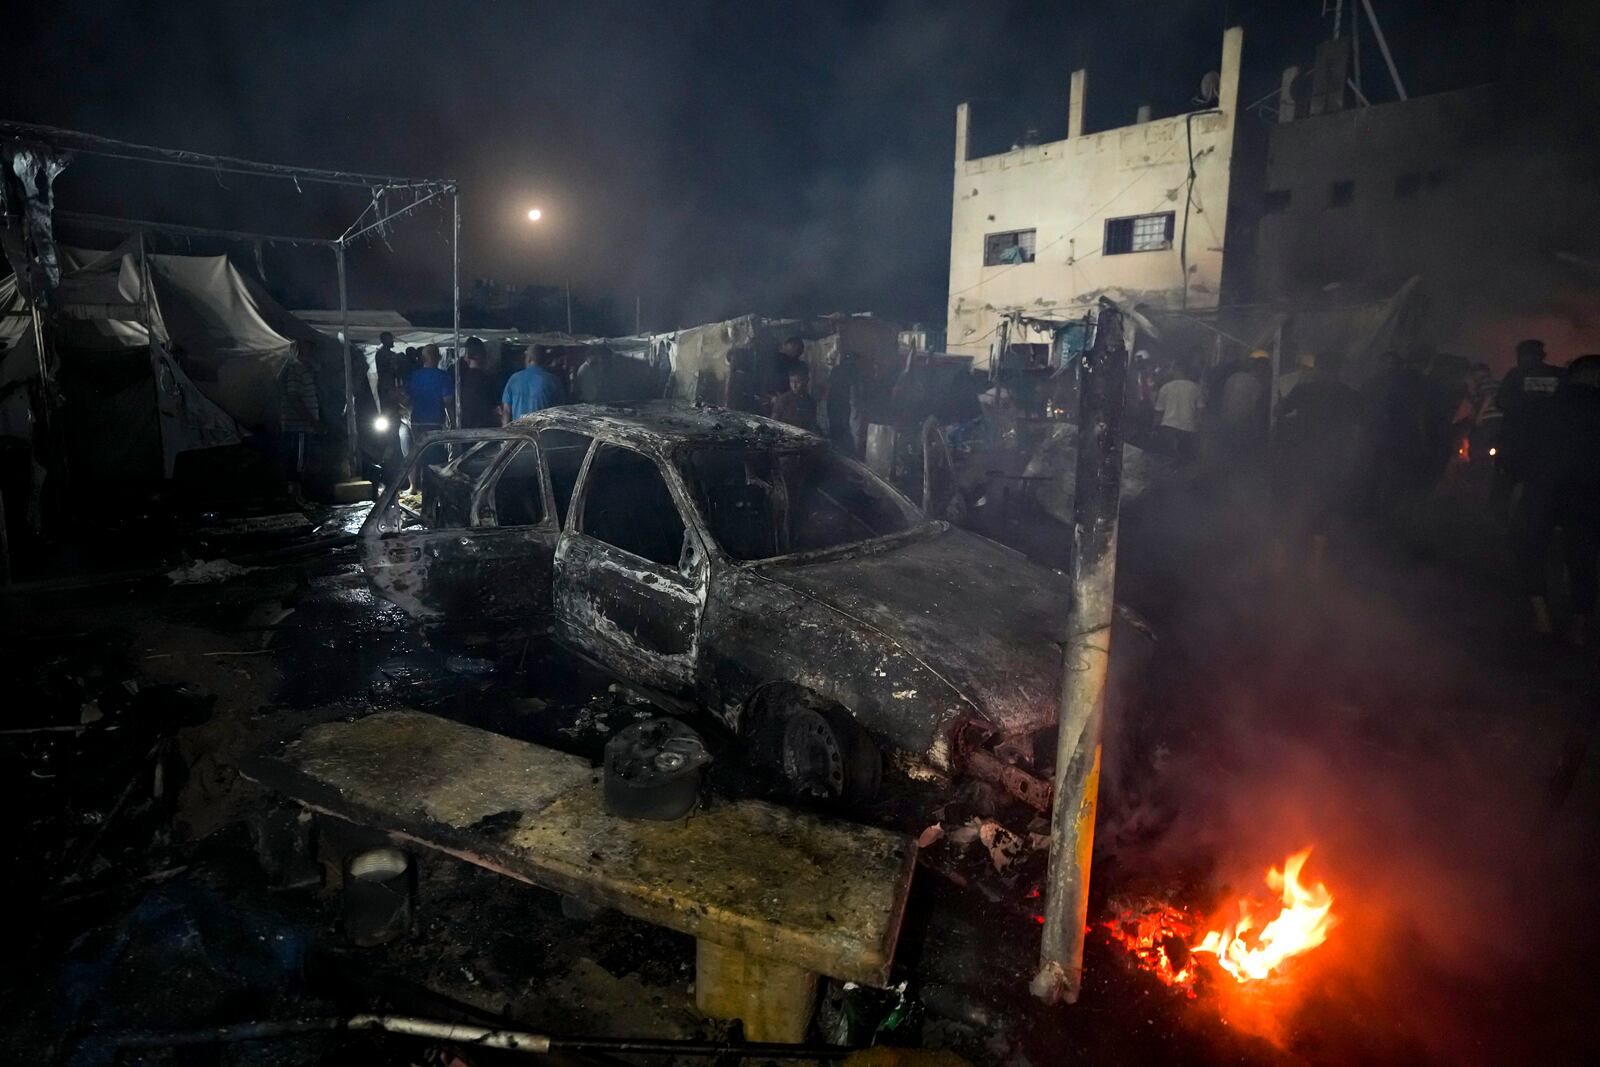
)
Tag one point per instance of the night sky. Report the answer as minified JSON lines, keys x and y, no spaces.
{"x":712,"y":158}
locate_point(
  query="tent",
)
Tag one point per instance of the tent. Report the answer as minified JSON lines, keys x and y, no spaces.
{"x":217,"y":342}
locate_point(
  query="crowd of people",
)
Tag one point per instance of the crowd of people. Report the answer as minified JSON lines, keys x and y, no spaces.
{"x":778,"y":384}
{"x":403,"y":395}
{"x":1328,"y":455}
{"x":1331,"y":455}
{"x":414,"y":395}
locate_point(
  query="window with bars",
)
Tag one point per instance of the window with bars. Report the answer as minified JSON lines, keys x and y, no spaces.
{"x":1013,"y":246}
{"x":1139,"y":233}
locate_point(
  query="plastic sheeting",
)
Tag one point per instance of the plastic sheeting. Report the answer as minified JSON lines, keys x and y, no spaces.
{"x":188,"y":418}
{"x":221,"y":327}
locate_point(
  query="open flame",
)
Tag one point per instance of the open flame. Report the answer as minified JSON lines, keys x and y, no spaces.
{"x":1302,"y":923}
{"x":1250,"y":945}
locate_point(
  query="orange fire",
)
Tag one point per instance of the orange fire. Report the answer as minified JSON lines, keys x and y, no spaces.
{"x":1157,"y":934}
{"x":1302,"y":923}
{"x":1250,"y":946}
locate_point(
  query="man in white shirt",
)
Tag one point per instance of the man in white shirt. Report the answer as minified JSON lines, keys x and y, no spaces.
{"x":1178,"y":403}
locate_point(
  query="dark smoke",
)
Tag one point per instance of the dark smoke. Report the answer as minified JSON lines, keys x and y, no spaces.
{"x":712,"y":158}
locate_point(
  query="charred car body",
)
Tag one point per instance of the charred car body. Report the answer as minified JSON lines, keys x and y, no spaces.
{"x":740,"y":565}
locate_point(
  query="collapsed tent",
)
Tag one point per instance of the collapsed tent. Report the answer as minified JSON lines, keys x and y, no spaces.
{"x":216,"y":342}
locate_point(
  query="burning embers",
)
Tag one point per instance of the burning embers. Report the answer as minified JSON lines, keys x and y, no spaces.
{"x":1252,"y":942}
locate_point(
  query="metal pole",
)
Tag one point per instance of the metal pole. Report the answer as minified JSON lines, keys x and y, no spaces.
{"x":455,"y":293}
{"x":1383,"y":47}
{"x":1277,"y":376}
{"x":1355,"y":52}
{"x":636,"y":328}
{"x":148,"y":311}
{"x":1087,"y":660}
{"x":145,"y":296}
{"x":462,"y":1033}
{"x":351,"y":451}
{"x":568,"y":284}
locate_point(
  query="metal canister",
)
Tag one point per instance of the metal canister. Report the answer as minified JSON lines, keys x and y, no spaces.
{"x":379,"y":885}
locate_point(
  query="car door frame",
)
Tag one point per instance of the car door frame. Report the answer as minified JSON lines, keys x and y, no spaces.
{"x":402,"y":564}
{"x":581,"y":622}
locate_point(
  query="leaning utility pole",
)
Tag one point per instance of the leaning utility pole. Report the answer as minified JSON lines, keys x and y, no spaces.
{"x":1096,"y":497}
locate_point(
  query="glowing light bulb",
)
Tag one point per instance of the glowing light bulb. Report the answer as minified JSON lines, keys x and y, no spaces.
{"x":534,"y":214}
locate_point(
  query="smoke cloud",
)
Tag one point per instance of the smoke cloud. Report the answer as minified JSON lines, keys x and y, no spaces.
{"x":711,"y":158}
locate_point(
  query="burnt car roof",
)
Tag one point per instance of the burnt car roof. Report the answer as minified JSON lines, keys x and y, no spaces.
{"x":665,"y":424}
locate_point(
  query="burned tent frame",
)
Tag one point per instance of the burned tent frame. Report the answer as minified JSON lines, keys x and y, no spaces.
{"x":376,"y":216}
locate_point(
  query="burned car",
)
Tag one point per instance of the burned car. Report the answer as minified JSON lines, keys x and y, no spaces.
{"x":732,"y":563}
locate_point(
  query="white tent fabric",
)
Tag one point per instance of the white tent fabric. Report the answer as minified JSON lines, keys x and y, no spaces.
{"x":223,"y":327}
{"x":220,"y":344}
{"x":189,"y":420}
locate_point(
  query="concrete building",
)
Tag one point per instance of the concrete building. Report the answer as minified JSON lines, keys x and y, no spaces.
{"x":1458,"y":222}
{"x":1479,"y":201}
{"x":1043,"y":230}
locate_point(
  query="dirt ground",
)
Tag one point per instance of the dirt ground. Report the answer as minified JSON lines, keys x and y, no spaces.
{"x":1394,"y":713}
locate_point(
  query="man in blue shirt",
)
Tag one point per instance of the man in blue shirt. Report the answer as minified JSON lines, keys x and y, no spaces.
{"x":533,"y":388}
{"x":431,"y":391}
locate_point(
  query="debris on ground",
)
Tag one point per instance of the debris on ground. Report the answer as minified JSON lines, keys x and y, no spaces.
{"x":207,"y":570}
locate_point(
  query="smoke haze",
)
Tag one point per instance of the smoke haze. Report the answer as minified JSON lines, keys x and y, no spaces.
{"x":711,"y":158}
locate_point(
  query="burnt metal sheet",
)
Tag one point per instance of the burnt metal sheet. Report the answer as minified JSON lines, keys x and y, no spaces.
{"x":823,"y":895}
{"x":656,"y":426}
{"x":630,"y":615}
{"x":759,"y":632}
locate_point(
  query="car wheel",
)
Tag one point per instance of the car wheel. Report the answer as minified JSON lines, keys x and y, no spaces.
{"x":824,"y":754}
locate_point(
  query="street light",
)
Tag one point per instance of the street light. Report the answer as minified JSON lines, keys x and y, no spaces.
{"x":534,"y":214}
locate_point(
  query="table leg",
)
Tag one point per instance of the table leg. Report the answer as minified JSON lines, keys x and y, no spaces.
{"x":775,"y":1000}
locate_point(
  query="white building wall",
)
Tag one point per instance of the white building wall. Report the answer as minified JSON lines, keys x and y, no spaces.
{"x":1066,"y":190}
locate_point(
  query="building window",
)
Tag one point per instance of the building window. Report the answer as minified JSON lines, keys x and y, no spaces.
{"x":1407,"y":185}
{"x":1015,"y":246}
{"x":1139,"y":233}
{"x":1276,"y":201}
{"x":1341,"y":193}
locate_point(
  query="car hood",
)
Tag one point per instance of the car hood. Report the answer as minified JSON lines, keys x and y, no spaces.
{"x":983,"y":617}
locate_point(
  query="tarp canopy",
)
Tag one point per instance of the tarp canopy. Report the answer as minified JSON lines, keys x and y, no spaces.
{"x":221,"y":342}
{"x":222,"y":327}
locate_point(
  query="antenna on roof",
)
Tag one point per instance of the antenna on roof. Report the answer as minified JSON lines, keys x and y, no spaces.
{"x":1383,"y":47}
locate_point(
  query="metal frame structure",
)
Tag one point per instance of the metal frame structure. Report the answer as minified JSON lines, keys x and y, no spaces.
{"x":381,"y":187}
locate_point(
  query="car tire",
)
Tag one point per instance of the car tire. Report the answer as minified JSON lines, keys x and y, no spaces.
{"x":824,"y":754}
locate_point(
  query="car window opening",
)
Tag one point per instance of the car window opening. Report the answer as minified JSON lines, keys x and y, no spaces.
{"x":628,"y":506}
{"x":518,"y":496}
{"x":763,"y":504}
{"x":563,"y":456}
